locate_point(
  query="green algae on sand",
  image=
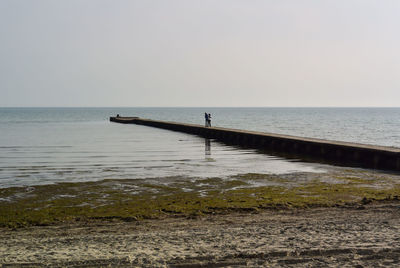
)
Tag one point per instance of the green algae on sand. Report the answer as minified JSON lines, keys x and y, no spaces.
{"x":130,"y":200}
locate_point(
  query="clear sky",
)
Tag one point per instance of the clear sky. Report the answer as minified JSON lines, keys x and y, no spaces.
{"x":200,"y":53}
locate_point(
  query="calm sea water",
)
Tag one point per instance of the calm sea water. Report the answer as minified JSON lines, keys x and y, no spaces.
{"x":49,"y":145}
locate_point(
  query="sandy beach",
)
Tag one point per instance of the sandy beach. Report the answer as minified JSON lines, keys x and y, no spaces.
{"x":362,"y":236}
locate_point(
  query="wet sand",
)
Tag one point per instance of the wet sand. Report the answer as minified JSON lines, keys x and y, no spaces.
{"x":358,"y":236}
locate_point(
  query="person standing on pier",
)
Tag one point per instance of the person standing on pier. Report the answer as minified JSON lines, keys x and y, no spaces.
{"x":209,"y":120}
{"x":206,"y":119}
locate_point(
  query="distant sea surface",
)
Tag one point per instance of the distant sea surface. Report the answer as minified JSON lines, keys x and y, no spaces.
{"x":50,"y":145}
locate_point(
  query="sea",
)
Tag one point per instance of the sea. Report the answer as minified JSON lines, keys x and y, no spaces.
{"x":50,"y":145}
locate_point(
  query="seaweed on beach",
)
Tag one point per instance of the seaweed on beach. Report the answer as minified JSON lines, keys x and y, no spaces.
{"x":132,"y":200}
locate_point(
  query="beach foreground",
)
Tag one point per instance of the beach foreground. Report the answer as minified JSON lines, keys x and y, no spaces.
{"x":358,"y":236}
{"x":338,"y":218}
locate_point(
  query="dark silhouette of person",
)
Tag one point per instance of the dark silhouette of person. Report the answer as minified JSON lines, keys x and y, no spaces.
{"x":209,"y":120}
{"x":206,"y":119}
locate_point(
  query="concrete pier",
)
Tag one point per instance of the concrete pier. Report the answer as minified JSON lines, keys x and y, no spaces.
{"x":310,"y":149}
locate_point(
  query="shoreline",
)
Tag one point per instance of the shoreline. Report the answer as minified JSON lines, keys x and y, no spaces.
{"x":140,"y":199}
{"x":329,"y":237}
{"x":344,"y":217}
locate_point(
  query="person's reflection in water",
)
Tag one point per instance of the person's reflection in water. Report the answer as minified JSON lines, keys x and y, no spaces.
{"x":207,"y":148}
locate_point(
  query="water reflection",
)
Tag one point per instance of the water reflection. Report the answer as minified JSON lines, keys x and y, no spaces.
{"x":207,"y":143}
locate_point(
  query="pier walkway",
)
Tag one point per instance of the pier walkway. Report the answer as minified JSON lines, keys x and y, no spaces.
{"x":308,"y":149}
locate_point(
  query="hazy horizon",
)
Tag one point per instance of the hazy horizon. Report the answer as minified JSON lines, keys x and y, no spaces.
{"x":199,"y":106}
{"x":179,"y":53}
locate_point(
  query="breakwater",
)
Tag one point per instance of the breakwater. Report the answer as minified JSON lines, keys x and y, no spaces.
{"x":309,"y":149}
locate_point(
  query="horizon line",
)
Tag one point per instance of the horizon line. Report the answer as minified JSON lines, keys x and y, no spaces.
{"x":199,"y":106}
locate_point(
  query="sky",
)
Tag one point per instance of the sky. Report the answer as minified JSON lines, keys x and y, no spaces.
{"x":263,"y":53}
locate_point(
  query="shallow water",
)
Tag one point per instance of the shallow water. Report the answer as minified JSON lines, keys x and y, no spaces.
{"x":48,"y":145}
